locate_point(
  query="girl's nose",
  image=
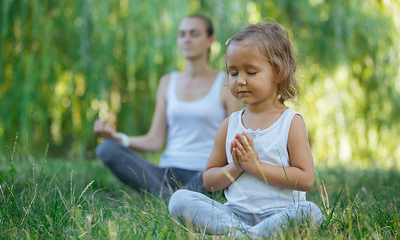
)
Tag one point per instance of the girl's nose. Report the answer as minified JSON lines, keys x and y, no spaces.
{"x":241,"y":79}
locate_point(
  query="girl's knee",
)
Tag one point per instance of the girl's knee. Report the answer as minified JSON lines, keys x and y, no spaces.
{"x":312,"y":210}
{"x":179,"y":201}
{"x":315,"y":213}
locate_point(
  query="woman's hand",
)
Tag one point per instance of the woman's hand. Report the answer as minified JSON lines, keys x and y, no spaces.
{"x":105,"y":130}
{"x":245,"y":153}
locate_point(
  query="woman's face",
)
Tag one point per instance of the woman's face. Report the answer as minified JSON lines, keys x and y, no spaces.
{"x":193,"y":40}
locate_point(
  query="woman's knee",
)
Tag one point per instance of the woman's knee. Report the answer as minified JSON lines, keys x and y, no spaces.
{"x":107,"y":149}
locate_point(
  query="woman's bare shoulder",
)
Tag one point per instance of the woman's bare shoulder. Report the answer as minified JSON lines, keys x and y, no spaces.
{"x":163,"y":86}
{"x":164,"y":80}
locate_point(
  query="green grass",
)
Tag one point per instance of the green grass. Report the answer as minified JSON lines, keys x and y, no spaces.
{"x":58,"y":198}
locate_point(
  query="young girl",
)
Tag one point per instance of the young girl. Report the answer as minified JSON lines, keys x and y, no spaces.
{"x":265,"y":172}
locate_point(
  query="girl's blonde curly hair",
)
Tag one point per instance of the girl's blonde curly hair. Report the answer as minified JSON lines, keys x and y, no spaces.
{"x":272,"y":41}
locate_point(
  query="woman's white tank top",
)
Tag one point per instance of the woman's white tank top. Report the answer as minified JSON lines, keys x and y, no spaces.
{"x":248,"y":193}
{"x":192,"y":126}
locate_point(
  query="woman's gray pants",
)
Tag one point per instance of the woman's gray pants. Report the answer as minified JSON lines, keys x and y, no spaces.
{"x":135,"y":171}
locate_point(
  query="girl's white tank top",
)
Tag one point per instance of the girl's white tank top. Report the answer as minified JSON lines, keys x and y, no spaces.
{"x":192,"y":126}
{"x":248,"y":193}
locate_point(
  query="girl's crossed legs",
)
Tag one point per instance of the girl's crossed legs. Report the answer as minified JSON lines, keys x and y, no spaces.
{"x":216,"y":218}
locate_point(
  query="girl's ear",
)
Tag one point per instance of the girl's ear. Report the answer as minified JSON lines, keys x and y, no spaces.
{"x":278,"y":76}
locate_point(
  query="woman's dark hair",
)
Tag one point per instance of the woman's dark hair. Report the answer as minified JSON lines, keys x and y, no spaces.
{"x":207,"y":21}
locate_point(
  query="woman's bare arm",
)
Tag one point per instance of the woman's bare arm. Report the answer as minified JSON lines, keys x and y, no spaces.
{"x":154,"y":139}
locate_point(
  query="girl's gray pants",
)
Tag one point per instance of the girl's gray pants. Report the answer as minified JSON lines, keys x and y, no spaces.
{"x":208,"y":215}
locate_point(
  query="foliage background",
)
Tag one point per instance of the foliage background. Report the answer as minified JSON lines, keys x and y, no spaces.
{"x":64,"y":64}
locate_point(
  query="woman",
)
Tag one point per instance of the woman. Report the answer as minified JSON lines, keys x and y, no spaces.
{"x":190,"y":105}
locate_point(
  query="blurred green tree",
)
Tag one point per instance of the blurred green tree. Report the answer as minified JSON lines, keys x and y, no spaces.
{"x":64,"y":64}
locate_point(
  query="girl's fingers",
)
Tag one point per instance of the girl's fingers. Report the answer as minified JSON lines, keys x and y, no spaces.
{"x":239,"y":146}
{"x":235,"y":159}
{"x":237,"y":136}
{"x":247,"y":141}
{"x":239,"y":154}
{"x":249,"y":138}
{"x":233,"y":145}
{"x":234,"y":156}
{"x":243,"y":140}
